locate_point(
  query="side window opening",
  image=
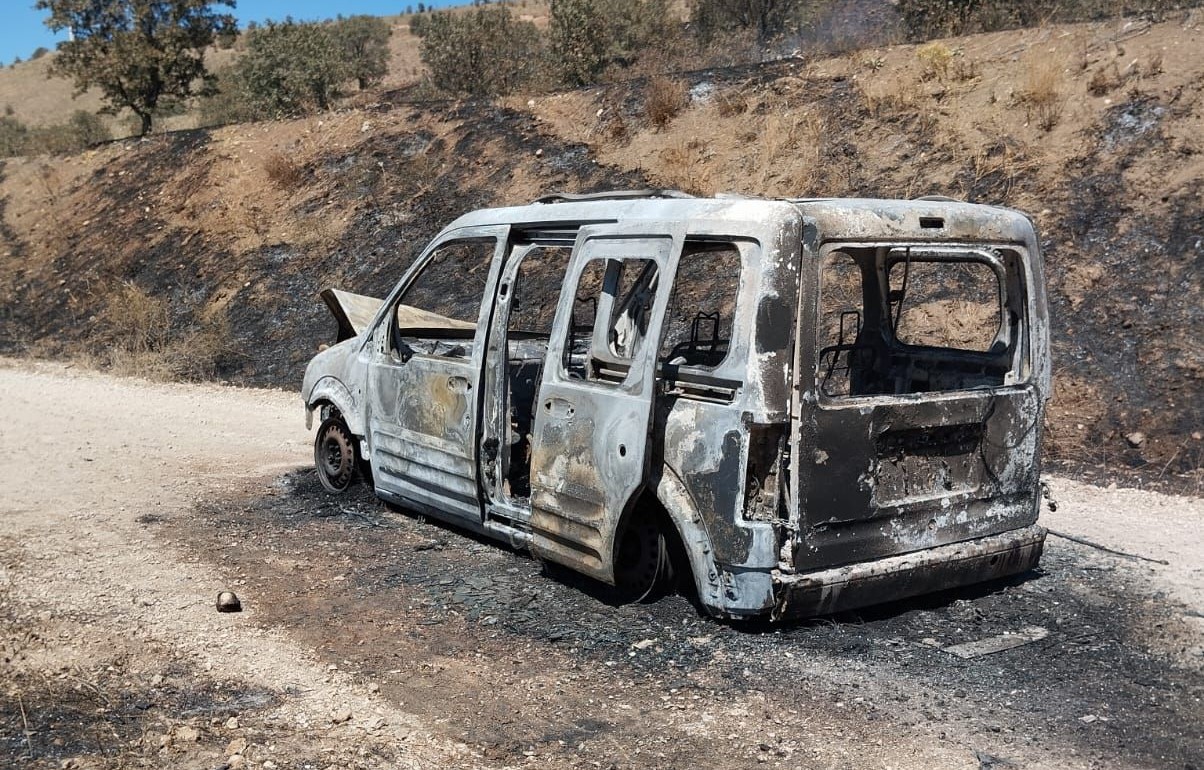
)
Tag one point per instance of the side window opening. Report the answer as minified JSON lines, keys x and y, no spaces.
{"x":899,"y":320}
{"x":536,"y":289}
{"x":437,"y":313}
{"x":612,"y":305}
{"x":702,"y":306}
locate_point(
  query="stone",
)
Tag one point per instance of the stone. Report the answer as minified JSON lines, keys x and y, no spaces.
{"x":373,"y":687}
{"x":237,"y":746}
{"x":232,"y":724}
{"x":227,"y":601}
{"x":341,"y":716}
{"x":1135,"y":439}
{"x":188,"y":734}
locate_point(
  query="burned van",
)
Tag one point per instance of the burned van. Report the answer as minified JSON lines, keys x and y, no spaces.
{"x":802,"y":406}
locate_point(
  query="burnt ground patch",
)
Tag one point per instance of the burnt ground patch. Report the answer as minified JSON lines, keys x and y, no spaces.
{"x":46,"y":719}
{"x":388,"y":592}
{"x":1130,"y":327}
{"x":111,"y":709}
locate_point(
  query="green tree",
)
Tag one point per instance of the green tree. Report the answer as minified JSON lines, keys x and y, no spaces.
{"x":291,"y":67}
{"x":481,"y":52}
{"x":141,"y":54}
{"x":365,"y":44}
{"x":587,"y":36}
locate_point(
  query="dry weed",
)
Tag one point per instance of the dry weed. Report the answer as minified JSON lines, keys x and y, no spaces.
{"x":789,"y":140}
{"x":142,"y":343}
{"x":137,"y":320}
{"x":283,"y":172}
{"x":936,"y":58}
{"x":664,"y":99}
{"x":1104,"y":79}
{"x":731,"y":102}
{"x":1153,"y":67}
{"x":889,"y":97}
{"x":1040,"y":92}
{"x":683,"y":167}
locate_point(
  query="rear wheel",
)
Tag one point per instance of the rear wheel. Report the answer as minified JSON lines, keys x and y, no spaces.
{"x":334,"y":454}
{"x":643,"y":566}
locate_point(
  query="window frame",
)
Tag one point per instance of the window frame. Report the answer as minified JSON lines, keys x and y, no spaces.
{"x":1020,"y":371}
{"x":385,"y":332}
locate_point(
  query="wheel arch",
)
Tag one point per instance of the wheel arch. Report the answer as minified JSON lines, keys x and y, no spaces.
{"x":670,"y":495}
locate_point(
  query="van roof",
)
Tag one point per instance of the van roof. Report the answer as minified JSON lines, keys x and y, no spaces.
{"x":836,"y":218}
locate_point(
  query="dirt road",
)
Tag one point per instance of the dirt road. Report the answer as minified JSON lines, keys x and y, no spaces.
{"x":371,"y":638}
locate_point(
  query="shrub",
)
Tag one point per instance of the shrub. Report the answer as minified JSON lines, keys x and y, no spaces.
{"x":1040,"y":93}
{"x":38,"y":53}
{"x":13,"y":135}
{"x":143,"y":341}
{"x":282,"y":171}
{"x":228,"y":103}
{"x":481,"y":52}
{"x":82,"y":130}
{"x":587,"y":36}
{"x":290,"y":68}
{"x":766,"y":19}
{"x":664,"y":99}
{"x":936,"y":58}
{"x":927,"y":19}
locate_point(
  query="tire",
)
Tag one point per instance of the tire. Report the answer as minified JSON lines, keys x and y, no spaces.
{"x":335,"y":455}
{"x":643,"y":564}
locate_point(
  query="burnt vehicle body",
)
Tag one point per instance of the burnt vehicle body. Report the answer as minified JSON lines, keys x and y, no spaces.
{"x":809,"y":405}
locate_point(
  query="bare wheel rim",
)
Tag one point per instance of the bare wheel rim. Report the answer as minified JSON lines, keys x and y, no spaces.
{"x":642,"y":564}
{"x":334,"y":455}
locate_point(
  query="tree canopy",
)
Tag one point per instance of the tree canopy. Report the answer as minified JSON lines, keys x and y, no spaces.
{"x":143,"y":55}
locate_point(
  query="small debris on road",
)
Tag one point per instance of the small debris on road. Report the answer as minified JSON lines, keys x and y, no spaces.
{"x":227,"y":601}
{"x":999,"y":643}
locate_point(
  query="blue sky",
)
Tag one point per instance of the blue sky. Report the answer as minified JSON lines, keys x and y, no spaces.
{"x":22,"y":29}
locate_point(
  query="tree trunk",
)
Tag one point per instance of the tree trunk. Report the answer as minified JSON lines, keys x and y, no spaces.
{"x":146,"y":122}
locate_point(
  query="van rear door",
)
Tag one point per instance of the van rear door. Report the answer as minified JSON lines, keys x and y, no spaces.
{"x":924,"y":419}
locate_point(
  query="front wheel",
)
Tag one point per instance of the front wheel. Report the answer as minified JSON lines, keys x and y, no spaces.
{"x":334,"y":455}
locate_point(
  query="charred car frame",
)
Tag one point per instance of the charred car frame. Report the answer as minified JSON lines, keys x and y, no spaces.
{"x":805,"y":405}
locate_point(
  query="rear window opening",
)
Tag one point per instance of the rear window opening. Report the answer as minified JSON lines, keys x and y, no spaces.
{"x":895,"y":320}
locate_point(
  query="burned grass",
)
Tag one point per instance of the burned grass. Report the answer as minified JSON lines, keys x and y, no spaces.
{"x":511,"y":659}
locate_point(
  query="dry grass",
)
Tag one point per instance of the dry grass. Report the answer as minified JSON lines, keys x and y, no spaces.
{"x":142,"y":342}
{"x":731,"y":102}
{"x":684,"y":167}
{"x":936,"y":59}
{"x":1040,"y":91}
{"x":283,"y":172}
{"x":890,"y":95}
{"x":664,"y":99}
{"x":1104,"y":79}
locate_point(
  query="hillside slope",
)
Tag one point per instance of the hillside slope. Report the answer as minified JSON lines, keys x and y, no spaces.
{"x":1094,"y":129}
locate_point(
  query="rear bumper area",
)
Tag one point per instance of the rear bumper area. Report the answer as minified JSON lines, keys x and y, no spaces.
{"x":912,"y":574}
